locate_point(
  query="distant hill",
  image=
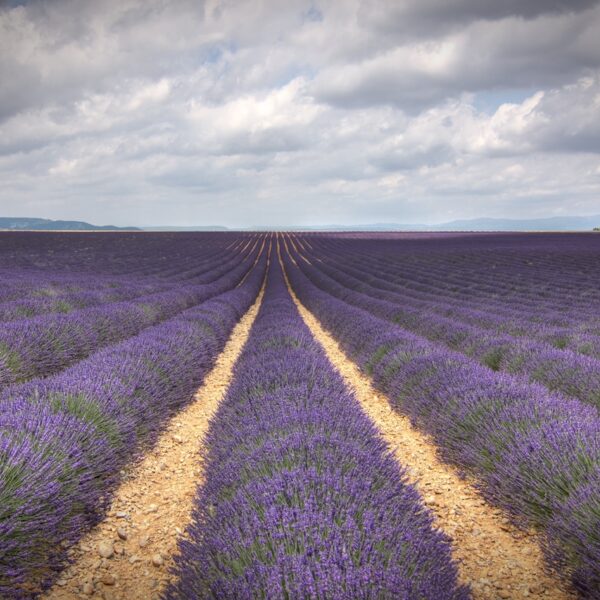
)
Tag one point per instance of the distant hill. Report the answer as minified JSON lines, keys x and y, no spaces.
{"x":547,"y":224}
{"x":484,"y":224}
{"x":183,"y":228}
{"x":26,"y":223}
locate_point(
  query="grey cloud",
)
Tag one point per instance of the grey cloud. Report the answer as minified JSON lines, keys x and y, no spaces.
{"x":248,"y":112}
{"x":411,"y":18}
{"x":264,"y":142}
{"x":508,"y":54}
{"x":61,"y":51}
{"x":197,"y":178}
{"x":407,"y":159}
{"x":58,"y":52}
{"x":381,"y":82}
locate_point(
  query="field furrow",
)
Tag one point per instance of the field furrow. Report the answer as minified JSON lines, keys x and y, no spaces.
{"x":301,"y":498}
{"x":560,"y":371}
{"x":65,"y":439}
{"x":153,"y":503}
{"x":535,"y":454}
{"x":323,"y":416}
{"x":45,"y":345}
{"x":494,"y":557}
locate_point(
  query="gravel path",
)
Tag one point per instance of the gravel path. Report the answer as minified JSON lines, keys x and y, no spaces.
{"x":495,"y":558}
{"x":128,"y":555}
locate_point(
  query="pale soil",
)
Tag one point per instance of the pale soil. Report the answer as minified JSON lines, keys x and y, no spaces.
{"x":153,"y":504}
{"x":495,"y":558}
{"x":255,"y":261}
{"x":296,"y":244}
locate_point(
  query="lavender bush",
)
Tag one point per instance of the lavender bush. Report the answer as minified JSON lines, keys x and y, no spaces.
{"x":564,"y":371}
{"x":544,"y":290}
{"x":47,"y":344}
{"x":64,"y":438}
{"x":164,"y":255}
{"x":535,"y":453}
{"x":302,"y":499}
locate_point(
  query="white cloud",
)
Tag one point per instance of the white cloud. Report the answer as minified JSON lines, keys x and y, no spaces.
{"x":248,"y":111}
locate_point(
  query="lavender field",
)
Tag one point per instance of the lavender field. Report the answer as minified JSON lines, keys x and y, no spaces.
{"x":486,"y":347}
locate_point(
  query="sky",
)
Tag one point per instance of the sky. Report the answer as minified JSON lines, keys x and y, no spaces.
{"x":262,"y":112}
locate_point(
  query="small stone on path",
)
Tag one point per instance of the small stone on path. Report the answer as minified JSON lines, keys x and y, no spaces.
{"x":87,"y":589}
{"x":108,"y":579}
{"x":157,"y":560}
{"x":106,"y":549}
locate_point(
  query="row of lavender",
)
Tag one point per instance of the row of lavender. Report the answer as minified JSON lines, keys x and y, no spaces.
{"x":577,"y":329}
{"x":556,"y":279}
{"x":119,"y":254}
{"x":64,"y":296}
{"x":535,"y":453}
{"x":44,"y":345}
{"x":64,"y":438}
{"x":302,"y":499}
{"x":35,"y":290}
{"x":563,"y":371}
{"x":543,"y":271}
{"x":547,"y":292}
{"x":28,"y":293}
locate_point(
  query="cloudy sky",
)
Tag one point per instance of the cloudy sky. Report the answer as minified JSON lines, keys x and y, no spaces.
{"x":245,"y":112}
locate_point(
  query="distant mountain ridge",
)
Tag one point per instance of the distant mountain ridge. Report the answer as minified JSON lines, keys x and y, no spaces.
{"x":27,"y":223}
{"x":567,"y":223}
{"x":190,"y":228}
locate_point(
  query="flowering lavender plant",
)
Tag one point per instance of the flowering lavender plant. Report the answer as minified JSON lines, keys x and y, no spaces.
{"x":561,"y":370}
{"x":64,"y":438}
{"x":44,"y":345}
{"x":302,"y":498}
{"x":535,"y":453}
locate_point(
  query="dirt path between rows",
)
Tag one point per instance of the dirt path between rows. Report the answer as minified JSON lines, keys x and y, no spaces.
{"x":128,"y":555}
{"x":496,"y":559}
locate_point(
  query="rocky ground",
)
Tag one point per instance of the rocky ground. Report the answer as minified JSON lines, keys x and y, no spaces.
{"x":495,"y":558}
{"x":128,"y":555}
